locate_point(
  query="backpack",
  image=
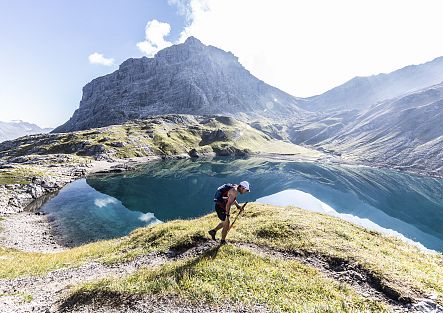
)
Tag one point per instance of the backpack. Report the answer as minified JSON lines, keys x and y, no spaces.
{"x":222,"y":192}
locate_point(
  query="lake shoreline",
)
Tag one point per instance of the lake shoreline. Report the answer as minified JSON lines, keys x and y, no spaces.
{"x":26,"y":201}
{"x":46,"y":238}
{"x":23,"y":227}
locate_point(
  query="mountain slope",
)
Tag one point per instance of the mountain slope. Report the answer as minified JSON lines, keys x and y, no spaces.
{"x":405,"y":132}
{"x":15,"y":129}
{"x":360,"y":92}
{"x":155,"y":136}
{"x":188,"y":78}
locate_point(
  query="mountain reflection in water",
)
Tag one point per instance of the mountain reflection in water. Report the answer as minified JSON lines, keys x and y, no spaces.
{"x":166,"y":190}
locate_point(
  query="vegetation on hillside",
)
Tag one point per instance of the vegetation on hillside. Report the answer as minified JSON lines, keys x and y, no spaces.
{"x":161,"y":135}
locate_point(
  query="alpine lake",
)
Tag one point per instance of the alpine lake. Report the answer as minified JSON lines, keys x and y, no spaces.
{"x":105,"y":206}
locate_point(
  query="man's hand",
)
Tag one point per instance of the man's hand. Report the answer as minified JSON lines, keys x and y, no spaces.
{"x":242,"y":208}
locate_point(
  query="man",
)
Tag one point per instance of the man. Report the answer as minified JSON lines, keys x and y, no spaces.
{"x":224,"y":198}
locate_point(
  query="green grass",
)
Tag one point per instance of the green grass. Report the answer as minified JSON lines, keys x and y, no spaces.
{"x":19,"y":175}
{"x":156,"y":136}
{"x":25,"y":296}
{"x":403,"y":267}
{"x":15,"y":263}
{"x":230,"y":274}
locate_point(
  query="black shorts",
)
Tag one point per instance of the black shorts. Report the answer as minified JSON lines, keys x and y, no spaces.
{"x":220,"y":208}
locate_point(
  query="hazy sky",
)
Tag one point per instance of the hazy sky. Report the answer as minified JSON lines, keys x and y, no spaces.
{"x":51,"y":48}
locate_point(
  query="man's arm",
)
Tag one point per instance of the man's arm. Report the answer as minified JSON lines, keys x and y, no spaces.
{"x":237,"y":205}
{"x":231,"y":200}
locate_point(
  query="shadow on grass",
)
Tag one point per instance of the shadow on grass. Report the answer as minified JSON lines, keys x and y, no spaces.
{"x":105,"y":297}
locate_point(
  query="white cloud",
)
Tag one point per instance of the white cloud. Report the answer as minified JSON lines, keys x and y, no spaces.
{"x":102,"y":202}
{"x":98,"y":58}
{"x":148,"y":218}
{"x":155,"y":33}
{"x":307,"y":47}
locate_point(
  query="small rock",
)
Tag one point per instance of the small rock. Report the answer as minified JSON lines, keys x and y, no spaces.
{"x":193,"y":153}
{"x":117,"y":144}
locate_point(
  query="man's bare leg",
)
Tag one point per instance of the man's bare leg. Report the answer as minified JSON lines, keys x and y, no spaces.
{"x":225,"y":230}
{"x":212,"y":232}
{"x":219,"y":226}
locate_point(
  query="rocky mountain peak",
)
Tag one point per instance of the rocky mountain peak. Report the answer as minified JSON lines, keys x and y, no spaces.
{"x":192,"y":41}
{"x":187,"y":78}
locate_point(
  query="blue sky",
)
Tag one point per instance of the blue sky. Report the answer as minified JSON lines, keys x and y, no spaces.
{"x":302,"y":47}
{"x":45,"y":46}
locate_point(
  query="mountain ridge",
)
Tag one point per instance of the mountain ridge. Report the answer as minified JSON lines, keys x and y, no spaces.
{"x":188,"y":78}
{"x":17,"y":128}
{"x":362,"y":91}
{"x":403,"y":132}
{"x":193,"y":78}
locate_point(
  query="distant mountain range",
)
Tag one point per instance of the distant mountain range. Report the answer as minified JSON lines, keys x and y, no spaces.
{"x":361,"y":92}
{"x":15,"y":129}
{"x":404,"y":132}
{"x":392,"y":119}
{"x":188,"y":78}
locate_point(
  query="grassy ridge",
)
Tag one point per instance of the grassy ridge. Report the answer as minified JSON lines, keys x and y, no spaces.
{"x":159,"y":136}
{"x":404,"y":268}
{"x":162,"y":135}
{"x":15,"y":263}
{"x":230,"y":274}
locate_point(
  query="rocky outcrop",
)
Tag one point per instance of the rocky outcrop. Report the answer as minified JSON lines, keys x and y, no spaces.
{"x":18,"y":197}
{"x":163,"y":136}
{"x":188,"y":78}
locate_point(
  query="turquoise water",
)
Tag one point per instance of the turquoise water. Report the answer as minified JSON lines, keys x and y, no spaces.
{"x":111,"y":205}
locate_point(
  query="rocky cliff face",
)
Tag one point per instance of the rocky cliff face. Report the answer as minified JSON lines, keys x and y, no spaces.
{"x":189,"y":78}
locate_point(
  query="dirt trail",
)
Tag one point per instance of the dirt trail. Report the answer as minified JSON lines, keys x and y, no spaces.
{"x":30,"y":232}
{"x":45,"y":289}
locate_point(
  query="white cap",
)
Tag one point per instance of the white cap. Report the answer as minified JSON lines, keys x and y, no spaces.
{"x":245,"y":184}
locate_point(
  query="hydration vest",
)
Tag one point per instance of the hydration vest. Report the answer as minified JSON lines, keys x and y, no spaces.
{"x":222,"y":192}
